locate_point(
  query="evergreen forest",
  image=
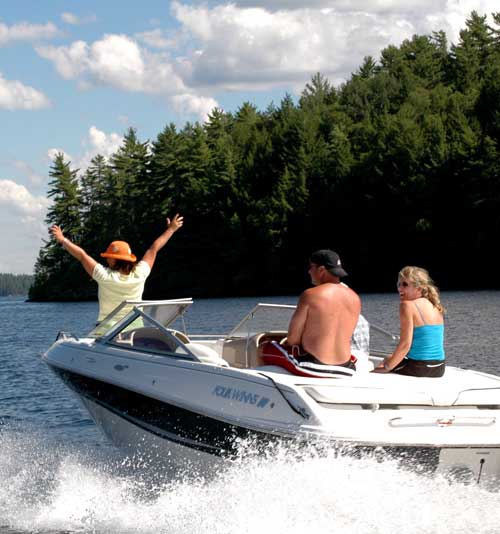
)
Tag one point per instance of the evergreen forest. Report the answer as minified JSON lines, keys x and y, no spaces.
{"x":14,"y":284}
{"x":397,"y":166}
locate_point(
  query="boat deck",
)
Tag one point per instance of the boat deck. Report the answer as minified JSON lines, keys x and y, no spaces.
{"x":457,"y":387}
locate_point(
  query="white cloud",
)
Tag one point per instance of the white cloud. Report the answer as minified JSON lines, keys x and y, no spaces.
{"x":69,"y":18}
{"x":22,"y":217}
{"x":96,"y":142}
{"x":17,"y":199}
{"x":53,"y":152}
{"x":27,"y":32}
{"x":155,"y":39}
{"x":262,"y":49}
{"x":70,"y":61}
{"x":198,"y":105}
{"x":232,"y":46}
{"x":15,"y":95}
{"x":372,"y":6}
{"x":409,"y":8}
{"x":103,"y":143}
{"x":118,"y":61}
{"x":75,"y":20}
{"x":277,"y":43}
{"x":115,"y":60}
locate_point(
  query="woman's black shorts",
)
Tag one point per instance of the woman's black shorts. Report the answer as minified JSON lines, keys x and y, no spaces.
{"x":423,"y":368}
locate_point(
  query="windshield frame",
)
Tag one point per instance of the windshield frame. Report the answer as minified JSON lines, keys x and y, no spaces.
{"x":180,"y":306}
{"x":238,"y":330}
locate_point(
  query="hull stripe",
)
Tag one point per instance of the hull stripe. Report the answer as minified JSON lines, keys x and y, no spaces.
{"x":162,"y":419}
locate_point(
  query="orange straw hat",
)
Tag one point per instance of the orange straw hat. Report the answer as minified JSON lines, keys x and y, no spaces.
{"x":119,"y":250}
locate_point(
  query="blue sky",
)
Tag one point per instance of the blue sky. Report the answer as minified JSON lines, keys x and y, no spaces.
{"x":75,"y":75}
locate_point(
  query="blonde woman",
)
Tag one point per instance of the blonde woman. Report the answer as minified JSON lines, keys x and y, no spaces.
{"x":420,"y":351}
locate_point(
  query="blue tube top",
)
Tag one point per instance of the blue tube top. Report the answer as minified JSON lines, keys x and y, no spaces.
{"x":428,"y":342}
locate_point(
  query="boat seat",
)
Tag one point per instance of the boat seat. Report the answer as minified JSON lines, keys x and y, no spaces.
{"x":234,"y":352}
{"x":255,"y":347}
{"x":206,"y":354}
{"x":272,"y":353}
{"x":149,"y":337}
{"x":179,"y":335}
{"x":253,"y":355}
{"x":244,"y":353}
{"x":363,"y":363}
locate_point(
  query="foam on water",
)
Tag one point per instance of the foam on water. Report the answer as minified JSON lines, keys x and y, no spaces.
{"x":50,"y":488}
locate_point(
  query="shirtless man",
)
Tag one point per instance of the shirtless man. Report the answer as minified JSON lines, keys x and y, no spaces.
{"x":326,"y":314}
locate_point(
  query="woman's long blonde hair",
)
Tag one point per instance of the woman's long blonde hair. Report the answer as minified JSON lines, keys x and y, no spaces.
{"x":420,"y":278}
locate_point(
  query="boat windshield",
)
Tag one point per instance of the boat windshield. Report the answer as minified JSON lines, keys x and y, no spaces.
{"x":270,"y":318}
{"x":264,"y":318}
{"x":164,"y":312}
{"x":146,"y":336}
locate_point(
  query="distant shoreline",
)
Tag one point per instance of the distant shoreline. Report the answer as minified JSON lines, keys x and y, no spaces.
{"x":15,"y":284}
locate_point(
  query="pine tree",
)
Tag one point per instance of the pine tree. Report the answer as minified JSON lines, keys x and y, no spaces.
{"x":96,"y":205}
{"x":63,"y":190}
{"x":165,"y":169}
{"x":471,"y":55}
{"x":128,"y":185}
{"x":57,"y":275}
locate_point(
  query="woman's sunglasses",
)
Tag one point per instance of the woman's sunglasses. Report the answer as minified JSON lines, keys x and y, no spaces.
{"x":402,"y":284}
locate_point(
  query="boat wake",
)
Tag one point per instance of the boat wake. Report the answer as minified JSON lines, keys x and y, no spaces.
{"x":51,"y":487}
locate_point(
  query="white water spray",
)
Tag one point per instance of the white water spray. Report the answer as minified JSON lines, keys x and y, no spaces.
{"x":46,"y":488}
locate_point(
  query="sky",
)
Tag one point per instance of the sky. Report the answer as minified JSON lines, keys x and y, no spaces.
{"x":74,"y":76}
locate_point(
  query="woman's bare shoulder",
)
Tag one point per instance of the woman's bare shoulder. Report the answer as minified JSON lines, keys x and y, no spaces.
{"x":406,"y":306}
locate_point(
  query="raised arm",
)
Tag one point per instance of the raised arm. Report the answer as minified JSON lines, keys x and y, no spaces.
{"x":172,"y":227}
{"x":77,"y":252}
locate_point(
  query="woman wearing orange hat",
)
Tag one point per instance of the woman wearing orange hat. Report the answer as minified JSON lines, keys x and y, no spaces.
{"x":124,"y":277}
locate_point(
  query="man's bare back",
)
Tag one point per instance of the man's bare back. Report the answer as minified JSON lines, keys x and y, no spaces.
{"x":325,"y":317}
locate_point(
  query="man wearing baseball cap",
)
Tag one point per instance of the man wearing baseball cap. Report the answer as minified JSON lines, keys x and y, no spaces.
{"x":326,"y":315}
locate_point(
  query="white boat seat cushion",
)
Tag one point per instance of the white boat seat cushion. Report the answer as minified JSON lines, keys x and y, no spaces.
{"x":206,"y":354}
{"x":363,"y":363}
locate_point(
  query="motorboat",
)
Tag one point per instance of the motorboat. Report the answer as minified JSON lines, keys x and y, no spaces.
{"x":148,"y":383}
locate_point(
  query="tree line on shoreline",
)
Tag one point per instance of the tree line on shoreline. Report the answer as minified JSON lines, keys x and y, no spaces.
{"x":14,"y":284}
{"x":399,"y":165}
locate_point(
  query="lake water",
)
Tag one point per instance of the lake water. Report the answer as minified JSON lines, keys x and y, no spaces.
{"x":59,"y":474}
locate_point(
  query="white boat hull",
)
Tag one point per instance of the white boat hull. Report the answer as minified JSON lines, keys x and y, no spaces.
{"x":462,"y":463}
{"x":147,"y":446}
